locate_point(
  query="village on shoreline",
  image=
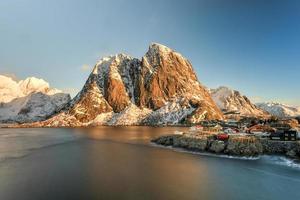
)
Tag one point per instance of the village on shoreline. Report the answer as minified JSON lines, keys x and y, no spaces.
{"x":247,"y":137}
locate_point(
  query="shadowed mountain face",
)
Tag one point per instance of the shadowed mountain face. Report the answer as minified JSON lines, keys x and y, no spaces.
{"x":161,"y":88}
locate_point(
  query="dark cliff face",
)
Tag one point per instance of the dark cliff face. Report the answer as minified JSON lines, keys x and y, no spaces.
{"x":162,"y":76}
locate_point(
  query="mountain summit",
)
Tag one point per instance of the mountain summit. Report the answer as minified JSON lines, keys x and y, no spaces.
{"x":232,"y":101}
{"x":160,"y":88}
{"x":29,"y":100}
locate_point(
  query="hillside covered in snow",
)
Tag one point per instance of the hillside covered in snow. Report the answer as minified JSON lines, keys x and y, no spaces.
{"x":29,"y":100}
{"x":279,"y":109}
{"x":232,"y":101}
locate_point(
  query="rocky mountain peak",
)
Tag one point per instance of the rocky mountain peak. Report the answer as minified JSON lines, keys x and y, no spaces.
{"x":166,"y":75}
{"x":161,"y":88}
{"x":156,"y":48}
{"x":33,"y":84}
{"x":229,"y":100}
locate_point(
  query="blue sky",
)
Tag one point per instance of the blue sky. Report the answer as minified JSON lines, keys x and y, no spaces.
{"x":252,"y":46}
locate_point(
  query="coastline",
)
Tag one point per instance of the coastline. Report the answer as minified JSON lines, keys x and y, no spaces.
{"x":239,"y":147}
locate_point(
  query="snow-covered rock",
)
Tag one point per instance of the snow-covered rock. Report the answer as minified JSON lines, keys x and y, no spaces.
{"x":172,"y":113}
{"x":232,"y":101}
{"x":161,"y":88}
{"x":279,"y":109}
{"x":9,"y":89}
{"x":29,"y":100}
{"x":131,"y":115}
{"x":33,"y":84}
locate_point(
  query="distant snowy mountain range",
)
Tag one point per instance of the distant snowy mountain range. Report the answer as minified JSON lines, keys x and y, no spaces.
{"x":279,"y":109}
{"x":29,"y":100}
{"x":161,"y":88}
{"x":232,"y":101}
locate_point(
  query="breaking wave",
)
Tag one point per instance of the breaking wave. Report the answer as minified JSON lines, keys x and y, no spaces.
{"x":271,"y":159}
{"x":281,"y":160}
{"x":207,"y":153}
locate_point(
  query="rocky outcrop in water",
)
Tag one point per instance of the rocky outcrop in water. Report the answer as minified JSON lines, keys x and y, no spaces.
{"x":243,"y":146}
{"x":234,"y":146}
{"x":288,"y":148}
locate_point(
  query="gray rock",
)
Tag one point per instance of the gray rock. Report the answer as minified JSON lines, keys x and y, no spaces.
{"x":167,"y":140}
{"x":236,"y":145}
{"x":244,"y":147}
{"x":217,"y":146}
{"x":277,"y":147}
{"x":291,"y":153}
{"x":198,"y":144}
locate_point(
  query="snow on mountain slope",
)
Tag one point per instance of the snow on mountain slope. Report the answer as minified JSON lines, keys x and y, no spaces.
{"x":279,"y":110}
{"x":171,"y":113}
{"x":29,"y":100}
{"x":9,"y":89}
{"x":33,"y":84}
{"x":161,"y":88}
{"x":229,"y":100}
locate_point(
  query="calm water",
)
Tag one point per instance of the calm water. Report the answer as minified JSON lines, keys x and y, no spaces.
{"x":120,"y":163}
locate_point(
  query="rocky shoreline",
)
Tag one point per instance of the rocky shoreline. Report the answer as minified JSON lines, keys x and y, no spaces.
{"x":244,"y":146}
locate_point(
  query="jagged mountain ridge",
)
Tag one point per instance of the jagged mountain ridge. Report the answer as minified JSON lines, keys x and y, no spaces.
{"x":279,"y":110}
{"x":29,"y":100}
{"x":232,"y":101}
{"x":161,"y":88}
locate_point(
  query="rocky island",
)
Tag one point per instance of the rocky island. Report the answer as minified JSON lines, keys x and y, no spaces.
{"x":235,"y":145}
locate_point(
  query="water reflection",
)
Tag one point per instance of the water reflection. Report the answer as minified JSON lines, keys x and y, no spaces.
{"x":119,"y":163}
{"x":132,"y":134}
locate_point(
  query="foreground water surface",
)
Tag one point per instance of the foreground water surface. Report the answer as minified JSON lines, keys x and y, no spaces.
{"x":121,"y":163}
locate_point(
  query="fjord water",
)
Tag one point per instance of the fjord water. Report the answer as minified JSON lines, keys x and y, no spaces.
{"x":121,"y":163}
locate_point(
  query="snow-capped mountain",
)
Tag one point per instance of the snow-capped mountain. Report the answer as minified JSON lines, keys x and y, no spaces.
{"x":33,"y":84}
{"x":161,"y":88}
{"x":279,"y":109}
{"x":232,"y":101}
{"x":29,"y":100}
{"x":9,"y":89}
